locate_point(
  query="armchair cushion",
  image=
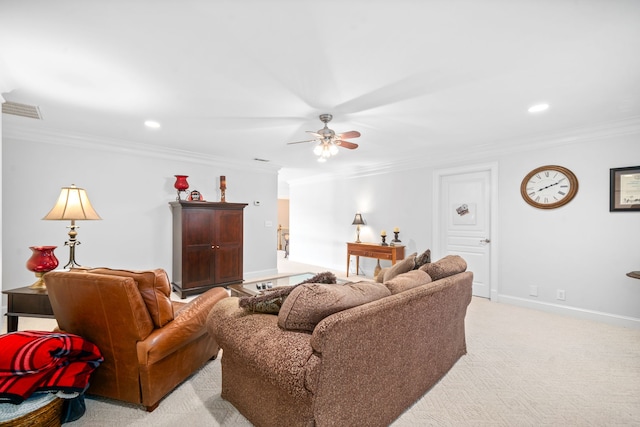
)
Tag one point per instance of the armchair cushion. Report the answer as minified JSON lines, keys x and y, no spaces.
{"x":308,"y":304}
{"x":154,"y":287}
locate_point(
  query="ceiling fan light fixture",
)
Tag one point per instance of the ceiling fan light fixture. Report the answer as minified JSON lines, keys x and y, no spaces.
{"x":328,"y":143}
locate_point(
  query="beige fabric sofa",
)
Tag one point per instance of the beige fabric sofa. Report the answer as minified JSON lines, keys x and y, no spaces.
{"x":362,"y":366}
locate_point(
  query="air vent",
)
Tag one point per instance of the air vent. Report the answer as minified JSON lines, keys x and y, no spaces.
{"x":260,"y":160}
{"x":24,"y":110}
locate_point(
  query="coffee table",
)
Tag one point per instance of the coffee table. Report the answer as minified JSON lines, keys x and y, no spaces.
{"x":254,"y":288}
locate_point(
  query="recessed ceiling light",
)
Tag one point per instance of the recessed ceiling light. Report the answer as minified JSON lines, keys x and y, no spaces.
{"x":538,"y":108}
{"x":152,"y":124}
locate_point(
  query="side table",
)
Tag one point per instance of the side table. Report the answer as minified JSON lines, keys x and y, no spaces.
{"x":26,"y":302}
{"x":373,"y":250}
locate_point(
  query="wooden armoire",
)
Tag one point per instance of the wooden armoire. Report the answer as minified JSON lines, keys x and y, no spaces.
{"x":207,"y":245}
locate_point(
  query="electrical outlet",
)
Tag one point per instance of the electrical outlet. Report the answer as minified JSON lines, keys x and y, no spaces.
{"x":560,"y":295}
{"x":533,"y":291}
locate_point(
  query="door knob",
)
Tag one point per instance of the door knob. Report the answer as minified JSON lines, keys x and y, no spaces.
{"x":485,"y":241}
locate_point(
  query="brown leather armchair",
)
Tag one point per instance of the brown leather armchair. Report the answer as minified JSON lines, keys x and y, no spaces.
{"x":150,"y":344}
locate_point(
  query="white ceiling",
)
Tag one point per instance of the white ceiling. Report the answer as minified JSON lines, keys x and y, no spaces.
{"x":239,"y":79}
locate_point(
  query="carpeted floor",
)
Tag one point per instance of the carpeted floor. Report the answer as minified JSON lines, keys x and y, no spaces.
{"x":523,"y":368}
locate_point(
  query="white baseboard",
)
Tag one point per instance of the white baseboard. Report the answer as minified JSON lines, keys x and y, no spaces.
{"x":580,"y":313}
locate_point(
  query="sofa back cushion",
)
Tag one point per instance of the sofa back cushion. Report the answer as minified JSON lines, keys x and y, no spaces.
{"x":445,"y":267}
{"x":408,"y":280}
{"x":154,"y":287}
{"x":308,"y":304}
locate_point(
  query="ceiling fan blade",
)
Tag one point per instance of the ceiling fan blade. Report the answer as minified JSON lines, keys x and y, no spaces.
{"x":348,"y":135}
{"x":347,"y":144}
{"x":300,"y":142}
{"x":316,"y":134}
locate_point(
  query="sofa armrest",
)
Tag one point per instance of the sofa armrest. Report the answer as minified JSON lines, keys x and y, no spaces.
{"x":188,"y":324}
{"x":256,"y":342}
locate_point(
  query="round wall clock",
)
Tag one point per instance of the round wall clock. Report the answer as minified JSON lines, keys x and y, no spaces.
{"x":549,"y":187}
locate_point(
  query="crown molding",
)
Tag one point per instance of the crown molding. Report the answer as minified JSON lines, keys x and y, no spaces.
{"x":435,"y":158}
{"x":93,"y":142}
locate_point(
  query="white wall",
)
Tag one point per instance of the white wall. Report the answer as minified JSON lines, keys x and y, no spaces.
{"x":130,"y":191}
{"x":581,"y":248}
{"x":2,"y":100}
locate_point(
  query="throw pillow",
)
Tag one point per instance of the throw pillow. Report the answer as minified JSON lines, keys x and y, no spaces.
{"x":445,"y":267}
{"x":409,"y":280}
{"x":380,"y":276}
{"x":154,"y":287}
{"x":308,"y":304}
{"x":423,"y":258}
{"x":270,"y":301}
{"x":403,"y":266}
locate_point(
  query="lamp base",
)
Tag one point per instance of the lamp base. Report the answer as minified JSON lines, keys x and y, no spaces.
{"x":72,"y":256}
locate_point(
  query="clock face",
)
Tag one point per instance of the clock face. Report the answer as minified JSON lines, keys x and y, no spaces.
{"x":549,"y":187}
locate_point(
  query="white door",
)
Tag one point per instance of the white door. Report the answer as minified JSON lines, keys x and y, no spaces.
{"x":464,"y":222}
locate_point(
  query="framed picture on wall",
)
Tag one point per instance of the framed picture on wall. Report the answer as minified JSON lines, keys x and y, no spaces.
{"x":625,"y":189}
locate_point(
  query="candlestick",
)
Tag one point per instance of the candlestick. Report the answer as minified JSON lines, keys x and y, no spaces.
{"x":395,"y":239}
{"x":384,"y":238}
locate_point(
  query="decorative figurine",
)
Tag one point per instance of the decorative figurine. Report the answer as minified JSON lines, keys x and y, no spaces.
{"x":195,"y":196}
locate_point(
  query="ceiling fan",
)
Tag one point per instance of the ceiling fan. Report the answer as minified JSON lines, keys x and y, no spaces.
{"x":329,"y":141}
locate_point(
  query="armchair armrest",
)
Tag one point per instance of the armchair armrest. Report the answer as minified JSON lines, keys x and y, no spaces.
{"x":189,"y":324}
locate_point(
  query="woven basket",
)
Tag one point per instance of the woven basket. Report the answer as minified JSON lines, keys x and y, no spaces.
{"x":48,"y":415}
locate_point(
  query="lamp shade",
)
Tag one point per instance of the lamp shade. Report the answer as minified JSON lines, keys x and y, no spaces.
{"x":358,"y":220}
{"x":73,"y":203}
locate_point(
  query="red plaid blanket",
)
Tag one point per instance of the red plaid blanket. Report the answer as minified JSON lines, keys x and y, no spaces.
{"x":33,"y":361}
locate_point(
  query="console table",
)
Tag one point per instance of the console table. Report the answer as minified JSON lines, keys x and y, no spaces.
{"x":373,"y":250}
{"x":26,"y":302}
